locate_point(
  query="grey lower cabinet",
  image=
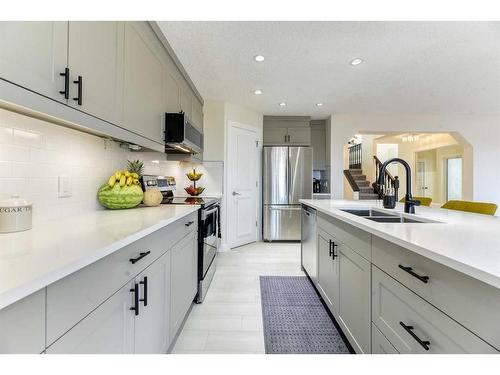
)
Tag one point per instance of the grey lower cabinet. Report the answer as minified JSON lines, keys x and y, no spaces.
{"x":184,"y":280}
{"x":108,"y":329}
{"x":33,"y":54}
{"x":22,"y":326}
{"x":380,"y":344}
{"x":354,"y":315}
{"x":328,"y":271}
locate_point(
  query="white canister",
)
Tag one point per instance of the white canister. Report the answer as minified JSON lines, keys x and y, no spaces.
{"x":15,"y":214}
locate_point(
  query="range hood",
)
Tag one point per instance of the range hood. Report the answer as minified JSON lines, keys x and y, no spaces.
{"x":181,"y":137}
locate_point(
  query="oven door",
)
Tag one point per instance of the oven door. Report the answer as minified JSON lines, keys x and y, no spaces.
{"x":210,"y":235}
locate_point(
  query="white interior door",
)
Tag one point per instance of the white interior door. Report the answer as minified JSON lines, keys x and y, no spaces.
{"x":243,"y":159}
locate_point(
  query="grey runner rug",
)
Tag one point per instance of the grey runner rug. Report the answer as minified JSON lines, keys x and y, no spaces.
{"x":295,"y":320}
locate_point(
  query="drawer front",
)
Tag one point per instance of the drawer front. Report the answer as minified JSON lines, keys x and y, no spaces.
{"x":22,"y":326}
{"x":356,"y":239}
{"x":458,"y":295}
{"x":380,"y":344}
{"x":414,"y":326}
{"x":75,"y":296}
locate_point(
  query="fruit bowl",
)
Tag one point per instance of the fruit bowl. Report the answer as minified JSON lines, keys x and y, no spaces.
{"x":193,"y":176}
{"x":193,"y":191}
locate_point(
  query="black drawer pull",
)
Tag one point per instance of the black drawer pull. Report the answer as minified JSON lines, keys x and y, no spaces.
{"x":144,"y":284}
{"x":135,"y":290}
{"x":141,"y":255}
{"x":79,"y":83}
{"x":189,"y":223}
{"x":331,"y":252}
{"x":65,"y":92}
{"x":409,"y":329}
{"x":424,"y":279}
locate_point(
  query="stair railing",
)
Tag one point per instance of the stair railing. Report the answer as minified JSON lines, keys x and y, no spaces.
{"x":351,"y":180}
{"x":355,"y":156}
{"x":389,"y":179}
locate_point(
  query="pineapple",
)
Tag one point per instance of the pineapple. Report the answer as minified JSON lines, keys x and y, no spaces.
{"x":135,"y":166}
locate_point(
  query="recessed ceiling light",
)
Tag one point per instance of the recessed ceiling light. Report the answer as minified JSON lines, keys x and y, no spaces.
{"x":258,"y":92}
{"x":282,"y":104}
{"x":319,"y":104}
{"x":356,"y":61}
{"x":259,"y":58}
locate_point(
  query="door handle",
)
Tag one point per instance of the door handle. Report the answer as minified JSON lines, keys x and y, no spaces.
{"x":235,"y":193}
{"x":135,"y":290}
{"x":144,"y":284}
{"x":423,"y":343}
{"x":65,"y":92}
{"x":79,"y":83}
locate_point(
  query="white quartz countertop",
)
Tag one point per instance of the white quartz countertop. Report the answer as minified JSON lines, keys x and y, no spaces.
{"x":31,"y":260}
{"x":466,"y":242}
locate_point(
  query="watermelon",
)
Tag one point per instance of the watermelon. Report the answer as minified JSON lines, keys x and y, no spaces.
{"x":118,"y":197}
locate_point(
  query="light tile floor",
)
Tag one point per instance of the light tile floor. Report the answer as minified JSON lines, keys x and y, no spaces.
{"x":230,"y":318}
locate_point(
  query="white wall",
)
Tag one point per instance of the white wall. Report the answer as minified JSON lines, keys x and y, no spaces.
{"x":482,"y":132}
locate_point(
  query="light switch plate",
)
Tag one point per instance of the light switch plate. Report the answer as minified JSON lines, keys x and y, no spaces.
{"x":64,"y":186}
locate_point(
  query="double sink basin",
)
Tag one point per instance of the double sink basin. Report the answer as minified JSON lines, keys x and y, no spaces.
{"x":380,"y":216}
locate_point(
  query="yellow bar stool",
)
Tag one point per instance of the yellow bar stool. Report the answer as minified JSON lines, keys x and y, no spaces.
{"x":424,"y":201}
{"x":476,"y":207}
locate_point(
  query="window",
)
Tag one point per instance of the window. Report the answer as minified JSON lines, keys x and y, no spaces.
{"x":453,"y":178}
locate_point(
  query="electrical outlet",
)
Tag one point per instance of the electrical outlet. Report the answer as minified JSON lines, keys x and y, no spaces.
{"x":64,"y":186}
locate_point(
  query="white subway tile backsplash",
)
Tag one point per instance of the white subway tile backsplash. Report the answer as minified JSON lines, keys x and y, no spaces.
{"x":33,"y":153}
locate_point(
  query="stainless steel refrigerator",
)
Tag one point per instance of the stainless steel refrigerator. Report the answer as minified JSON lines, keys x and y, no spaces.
{"x":287,"y":178}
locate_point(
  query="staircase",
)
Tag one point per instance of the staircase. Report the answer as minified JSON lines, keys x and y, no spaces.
{"x":365,"y":189}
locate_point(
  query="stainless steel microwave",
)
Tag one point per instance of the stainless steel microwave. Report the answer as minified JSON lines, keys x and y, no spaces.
{"x":181,"y":136}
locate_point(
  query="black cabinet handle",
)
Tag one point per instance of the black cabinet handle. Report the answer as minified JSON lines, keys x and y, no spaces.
{"x":330,"y":248}
{"x":65,"y":92}
{"x":424,"y":279}
{"x":331,"y":251}
{"x":425,"y":344}
{"x":141,"y":255}
{"x":144,"y":284}
{"x":79,"y":83}
{"x":189,"y":223}
{"x":135,"y":290}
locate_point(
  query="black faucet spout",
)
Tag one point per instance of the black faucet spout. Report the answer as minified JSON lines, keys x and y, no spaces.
{"x":410,"y":203}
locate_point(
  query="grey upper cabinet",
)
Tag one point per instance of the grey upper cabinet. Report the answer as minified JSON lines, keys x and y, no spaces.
{"x":275,"y":136}
{"x":299,"y":136}
{"x":33,"y":54}
{"x":186,"y":102}
{"x":96,"y":54}
{"x":197,"y":113}
{"x":172,"y":94}
{"x":144,"y":104}
{"x":318,"y":142}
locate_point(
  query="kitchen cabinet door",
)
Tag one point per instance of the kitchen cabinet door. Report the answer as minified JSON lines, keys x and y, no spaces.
{"x":96,"y":54}
{"x":275,"y":136}
{"x":143,"y":90}
{"x":318,"y":142}
{"x":186,"y":102}
{"x":299,"y":136}
{"x":109,"y":329}
{"x":22,"y":326}
{"x":172,"y":94}
{"x":183,"y":280}
{"x":152,"y":323}
{"x":328,"y":271}
{"x":197,"y":113}
{"x":355,"y":298}
{"x":33,"y":54}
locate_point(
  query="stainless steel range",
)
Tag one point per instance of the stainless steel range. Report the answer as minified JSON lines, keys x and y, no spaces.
{"x":209,"y":234}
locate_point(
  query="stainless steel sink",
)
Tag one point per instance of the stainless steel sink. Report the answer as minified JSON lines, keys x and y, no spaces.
{"x":380,"y":216}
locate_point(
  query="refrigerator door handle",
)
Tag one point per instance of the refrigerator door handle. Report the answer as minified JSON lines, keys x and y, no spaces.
{"x":287,"y":208}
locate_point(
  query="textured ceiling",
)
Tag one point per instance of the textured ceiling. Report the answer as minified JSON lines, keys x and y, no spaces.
{"x":410,"y":67}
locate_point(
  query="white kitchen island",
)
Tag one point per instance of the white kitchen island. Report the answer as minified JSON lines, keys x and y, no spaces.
{"x":429,"y":287}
